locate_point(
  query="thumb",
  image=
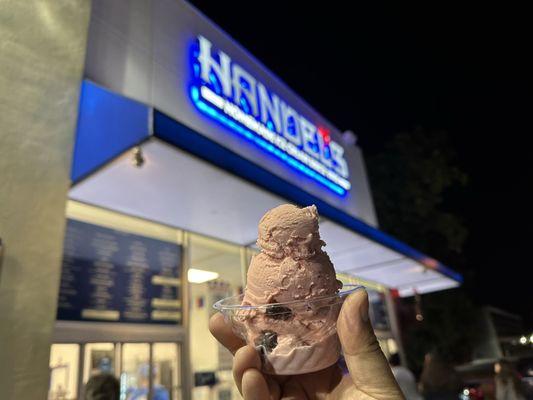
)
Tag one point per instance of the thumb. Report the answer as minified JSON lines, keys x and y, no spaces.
{"x":369,"y":369}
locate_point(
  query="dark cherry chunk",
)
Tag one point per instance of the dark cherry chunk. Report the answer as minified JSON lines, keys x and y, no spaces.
{"x":268,"y":340}
{"x":279,"y":312}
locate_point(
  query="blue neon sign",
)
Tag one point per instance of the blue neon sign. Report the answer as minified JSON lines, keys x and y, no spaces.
{"x":225,"y":92}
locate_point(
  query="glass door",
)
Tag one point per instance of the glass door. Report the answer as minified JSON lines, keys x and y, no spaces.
{"x":150,"y":371}
{"x":99,"y":358}
{"x":166,"y":373}
{"x":147,"y":371}
{"x":64,"y":369}
{"x":135,"y":373}
{"x":217,"y":270}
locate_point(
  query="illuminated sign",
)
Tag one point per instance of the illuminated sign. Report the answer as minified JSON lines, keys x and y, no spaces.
{"x":226,"y":92}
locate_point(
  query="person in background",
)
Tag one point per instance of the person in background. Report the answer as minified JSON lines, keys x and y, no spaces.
{"x":439,"y":381}
{"x":102,"y":387}
{"x":507,"y":382}
{"x":404,"y":377}
{"x":141,"y":392}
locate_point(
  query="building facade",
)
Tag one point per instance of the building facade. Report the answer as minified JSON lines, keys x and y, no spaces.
{"x":183,"y":141}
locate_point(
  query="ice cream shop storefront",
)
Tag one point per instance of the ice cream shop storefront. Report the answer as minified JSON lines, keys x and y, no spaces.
{"x":184,"y":140}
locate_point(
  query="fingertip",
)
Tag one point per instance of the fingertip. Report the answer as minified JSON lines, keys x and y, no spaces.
{"x":223,"y":332}
{"x":247,"y":357}
{"x":357,"y":298}
{"x":368,"y":367}
{"x":215,"y":322}
{"x":353,"y":326}
{"x":218,"y":327}
{"x":356,"y":304}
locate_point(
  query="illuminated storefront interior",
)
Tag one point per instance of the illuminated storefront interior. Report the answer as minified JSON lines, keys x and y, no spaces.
{"x":216,"y":269}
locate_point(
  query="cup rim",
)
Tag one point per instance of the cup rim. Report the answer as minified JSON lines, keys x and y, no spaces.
{"x":235,"y":301}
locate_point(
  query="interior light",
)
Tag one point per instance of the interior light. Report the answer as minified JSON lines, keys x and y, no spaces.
{"x":200,"y":276}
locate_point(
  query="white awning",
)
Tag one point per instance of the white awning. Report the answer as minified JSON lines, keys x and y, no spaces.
{"x":178,"y":189}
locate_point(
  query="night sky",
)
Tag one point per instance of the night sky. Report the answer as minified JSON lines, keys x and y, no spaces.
{"x":380,"y":70}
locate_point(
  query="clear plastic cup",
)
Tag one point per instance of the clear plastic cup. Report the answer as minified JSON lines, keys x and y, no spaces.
{"x":295,"y":337}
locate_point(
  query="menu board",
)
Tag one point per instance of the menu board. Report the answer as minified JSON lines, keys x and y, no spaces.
{"x":114,"y":276}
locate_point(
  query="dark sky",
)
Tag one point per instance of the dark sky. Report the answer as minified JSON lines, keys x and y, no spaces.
{"x":379,"y":70}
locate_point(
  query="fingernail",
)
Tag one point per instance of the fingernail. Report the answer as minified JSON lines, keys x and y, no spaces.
{"x":357,"y":310}
{"x":363,"y":309}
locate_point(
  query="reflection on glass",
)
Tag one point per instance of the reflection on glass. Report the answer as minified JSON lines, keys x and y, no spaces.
{"x":99,"y":359}
{"x":64,"y":360}
{"x":135,"y":377}
{"x":165,"y":371}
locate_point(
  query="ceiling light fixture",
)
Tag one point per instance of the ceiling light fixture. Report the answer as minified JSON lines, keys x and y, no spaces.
{"x":200,"y":276}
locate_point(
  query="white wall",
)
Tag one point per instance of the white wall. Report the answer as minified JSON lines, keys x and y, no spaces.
{"x":204,"y":347}
{"x":43,"y":46}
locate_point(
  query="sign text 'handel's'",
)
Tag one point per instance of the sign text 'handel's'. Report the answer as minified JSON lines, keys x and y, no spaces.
{"x":231,"y":95}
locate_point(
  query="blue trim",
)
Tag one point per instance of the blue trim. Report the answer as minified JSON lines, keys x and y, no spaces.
{"x":187,"y":139}
{"x":206,"y":109}
{"x":236,"y":127}
{"x":108,"y":124}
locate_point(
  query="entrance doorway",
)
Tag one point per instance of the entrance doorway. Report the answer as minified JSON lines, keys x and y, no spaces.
{"x":146,"y":370}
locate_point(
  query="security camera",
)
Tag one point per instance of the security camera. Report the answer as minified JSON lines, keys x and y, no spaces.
{"x":349,"y":138}
{"x":138,"y":157}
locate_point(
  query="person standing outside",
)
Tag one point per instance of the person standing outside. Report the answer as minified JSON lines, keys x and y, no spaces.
{"x":507,"y":383}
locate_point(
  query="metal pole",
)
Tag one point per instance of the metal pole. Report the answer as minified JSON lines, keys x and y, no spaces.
{"x":395,"y":325}
{"x":81,"y":365}
{"x":186,"y":370}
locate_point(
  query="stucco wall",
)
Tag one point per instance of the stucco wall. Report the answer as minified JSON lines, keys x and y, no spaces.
{"x":42,"y":48}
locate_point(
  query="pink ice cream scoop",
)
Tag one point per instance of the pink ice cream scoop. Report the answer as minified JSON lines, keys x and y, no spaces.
{"x":291,"y":301}
{"x":292,"y":264}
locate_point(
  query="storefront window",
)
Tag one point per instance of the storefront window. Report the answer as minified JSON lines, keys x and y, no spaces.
{"x":135,"y":377}
{"x":64,"y":359}
{"x":99,"y":359}
{"x":165,"y":370}
{"x":216,"y":271}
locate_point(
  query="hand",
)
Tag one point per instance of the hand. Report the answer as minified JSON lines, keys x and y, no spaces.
{"x":370,"y":376}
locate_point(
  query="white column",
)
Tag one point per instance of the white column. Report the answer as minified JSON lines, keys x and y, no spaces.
{"x":42,"y":49}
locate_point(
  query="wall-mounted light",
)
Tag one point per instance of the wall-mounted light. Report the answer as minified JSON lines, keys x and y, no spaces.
{"x":138,"y":157}
{"x":418,"y":307}
{"x":200,"y":276}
